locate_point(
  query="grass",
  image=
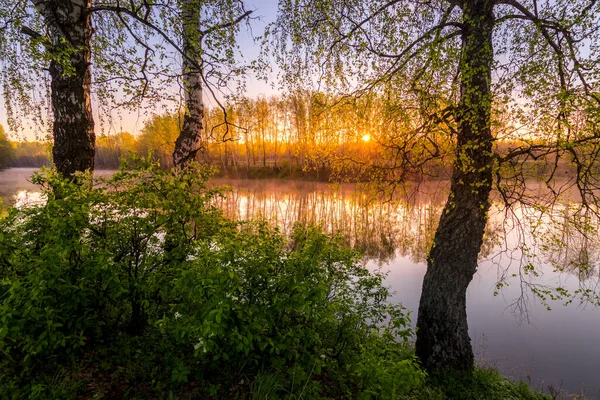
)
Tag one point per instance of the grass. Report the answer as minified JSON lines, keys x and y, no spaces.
{"x":484,"y":383}
{"x":121,"y":380}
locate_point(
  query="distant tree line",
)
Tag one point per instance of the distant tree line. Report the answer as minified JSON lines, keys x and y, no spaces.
{"x":297,"y":134}
{"x":7,"y":152}
{"x":306,"y":134}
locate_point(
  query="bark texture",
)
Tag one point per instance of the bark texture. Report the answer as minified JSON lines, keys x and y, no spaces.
{"x":70,"y":29}
{"x":442,"y":330}
{"x":190,"y":138}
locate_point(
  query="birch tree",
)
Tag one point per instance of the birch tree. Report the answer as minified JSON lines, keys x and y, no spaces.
{"x":48,"y":48}
{"x":63,"y":30}
{"x":455,"y":64}
{"x":194,"y":30}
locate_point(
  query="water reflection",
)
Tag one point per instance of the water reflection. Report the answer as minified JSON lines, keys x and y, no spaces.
{"x":560,"y":238}
{"x":558,"y":347}
{"x":379,"y":229}
{"x":557,"y":234}
{"x":16,"y":187}
{"x":560,"y":250}
{"x":13,"y":181}
{"x":573,"y":245}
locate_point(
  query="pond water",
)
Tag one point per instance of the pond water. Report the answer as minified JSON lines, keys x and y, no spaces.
{"x":513,"y":331}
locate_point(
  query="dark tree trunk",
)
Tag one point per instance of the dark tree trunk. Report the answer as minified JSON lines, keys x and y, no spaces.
{"x":70,"y":29}
{"x":190,"y":138}
{"x":442,"y":331}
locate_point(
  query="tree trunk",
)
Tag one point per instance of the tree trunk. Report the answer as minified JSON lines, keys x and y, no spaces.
{"x":190,"y":138}
{"x":442,"y":331}
{"x":70,"y":29}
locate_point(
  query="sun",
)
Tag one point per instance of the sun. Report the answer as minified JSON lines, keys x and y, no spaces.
{"x":366,"y":138}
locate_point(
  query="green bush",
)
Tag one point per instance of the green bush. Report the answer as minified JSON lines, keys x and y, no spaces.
{"x":137,"y":286}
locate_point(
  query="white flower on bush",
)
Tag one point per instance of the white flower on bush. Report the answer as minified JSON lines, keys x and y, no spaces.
{"x":200,"y":345}
{"x":27,"y":199}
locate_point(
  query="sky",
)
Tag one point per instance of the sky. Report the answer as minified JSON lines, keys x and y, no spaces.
{"x":264,"y":12}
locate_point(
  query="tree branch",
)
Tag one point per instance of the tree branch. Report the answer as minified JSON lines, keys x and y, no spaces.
{"x":226,"y":25}
{"x":30,"y":32}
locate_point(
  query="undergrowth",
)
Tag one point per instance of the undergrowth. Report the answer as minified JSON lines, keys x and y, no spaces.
{"x":135,"y":286}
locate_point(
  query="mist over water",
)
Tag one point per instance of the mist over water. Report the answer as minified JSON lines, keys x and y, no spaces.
{"x":512,"y":330}
{"x":13,"y":181}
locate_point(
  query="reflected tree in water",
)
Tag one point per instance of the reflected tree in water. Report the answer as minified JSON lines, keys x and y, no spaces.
{"x":381,"y":229}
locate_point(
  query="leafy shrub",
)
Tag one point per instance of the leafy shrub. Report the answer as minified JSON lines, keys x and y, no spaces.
{"x":136,"y":283}
{"x":258,"y":302}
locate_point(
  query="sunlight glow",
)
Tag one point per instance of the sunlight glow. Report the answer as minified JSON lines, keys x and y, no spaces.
{"x":366,"y":138}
